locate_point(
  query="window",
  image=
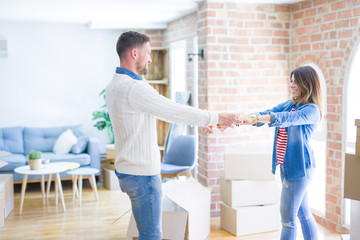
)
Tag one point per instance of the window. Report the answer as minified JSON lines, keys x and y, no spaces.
{"x":177,"y":67}
{"x":317,"y":188}
{"x":352,"y":112}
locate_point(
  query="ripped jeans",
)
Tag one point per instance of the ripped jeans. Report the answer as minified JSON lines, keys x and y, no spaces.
{"x":294,"y":203}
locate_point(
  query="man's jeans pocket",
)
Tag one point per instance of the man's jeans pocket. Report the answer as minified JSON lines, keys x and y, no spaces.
{"x":130,"y":186}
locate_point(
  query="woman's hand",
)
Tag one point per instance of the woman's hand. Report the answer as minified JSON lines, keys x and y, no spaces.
{"x":247,"y":119}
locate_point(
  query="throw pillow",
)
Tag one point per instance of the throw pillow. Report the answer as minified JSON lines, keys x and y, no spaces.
{"x":65,"y":142}
{"x":80,"y":145}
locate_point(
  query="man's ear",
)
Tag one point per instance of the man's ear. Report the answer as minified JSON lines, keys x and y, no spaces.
{"x":133,"y":53}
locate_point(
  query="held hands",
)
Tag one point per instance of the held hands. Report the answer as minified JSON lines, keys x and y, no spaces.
{"x":231,"y":120}
{"x":226,"y":120}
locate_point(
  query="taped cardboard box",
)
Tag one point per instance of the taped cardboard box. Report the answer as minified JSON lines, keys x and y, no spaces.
{"x":111,"y":181}
{"x":239,"y":166}
{"x":6,"y":192}
{"x":250,"y":220}
{"x":355,"y":220}
{"x":357,"y":149}
{"x":239,"y":193}
{"x":352,"y":177}
{"x":186,"y":211}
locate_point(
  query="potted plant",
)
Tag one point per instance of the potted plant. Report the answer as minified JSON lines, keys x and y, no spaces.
{"x":103,"y":119}
{"x":35,"y":160}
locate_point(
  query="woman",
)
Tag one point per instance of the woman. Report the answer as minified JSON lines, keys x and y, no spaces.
{"x":295,"y":120}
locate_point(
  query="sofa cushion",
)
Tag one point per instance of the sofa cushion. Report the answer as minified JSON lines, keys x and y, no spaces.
{"x":83,"y":159}
{"x":81,"y":145}
{"x":11,"y":140}
{"x":43,"y":139}
{"x":14,"y":161}
{"x":65,"y":142}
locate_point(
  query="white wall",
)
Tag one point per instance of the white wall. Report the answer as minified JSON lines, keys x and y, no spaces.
{"x":54,"y":73}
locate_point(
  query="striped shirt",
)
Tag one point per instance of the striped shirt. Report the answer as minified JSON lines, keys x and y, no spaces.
{"x":281,"y":143}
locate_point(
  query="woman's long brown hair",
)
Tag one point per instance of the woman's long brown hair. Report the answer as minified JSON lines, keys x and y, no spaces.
{"x":309,"y":86}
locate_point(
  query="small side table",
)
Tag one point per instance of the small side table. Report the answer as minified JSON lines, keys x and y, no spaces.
{"x":45,"y":169}
{"x":78,"y":177}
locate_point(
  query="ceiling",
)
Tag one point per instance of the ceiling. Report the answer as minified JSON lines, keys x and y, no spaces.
{"x":116,"y":14}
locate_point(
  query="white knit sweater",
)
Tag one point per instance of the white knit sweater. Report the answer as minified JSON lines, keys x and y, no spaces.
{"x":133,"y":107}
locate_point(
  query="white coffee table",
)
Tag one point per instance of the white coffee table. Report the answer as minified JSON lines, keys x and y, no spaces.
{"x":45,"y":169}
{"x":78,"y":174}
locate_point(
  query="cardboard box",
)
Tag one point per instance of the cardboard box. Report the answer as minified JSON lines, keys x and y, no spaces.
{"x":240,"y":166}
{"x":7,"y":188}
{"x":2,"y":209}
{"x":111,"y":156}
{"x":352,"y":177}
{"x":186,"y":211}
{"x":250,"y":220}
{"x":3,"y":154}
{"x":239,"y":193}
{"x":357,"y":149}
{"x":111,"y":181}
{"x":355,"y":220}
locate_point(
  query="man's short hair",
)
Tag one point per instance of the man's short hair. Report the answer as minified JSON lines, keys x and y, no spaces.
{"x":129,"y":40}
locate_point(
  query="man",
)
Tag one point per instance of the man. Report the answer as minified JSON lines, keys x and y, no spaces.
{"x":133,"y":107}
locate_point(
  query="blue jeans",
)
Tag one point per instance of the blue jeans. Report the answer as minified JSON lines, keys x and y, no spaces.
{"x":145,"y":194}
{"x":294,"y":203}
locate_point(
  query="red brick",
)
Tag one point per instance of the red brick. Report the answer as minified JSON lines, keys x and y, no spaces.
{"x":356,"y":11}
{"x":326,"y":26}
{"x":338,"y":5}
{"x":300,"y":31}
{"x":279,"y":33}
{"x":282,"y":41}
{"x":354,"y":22}
{"x":332,"y":217}
{"x":319,"y":2}
{"x":310,"y":12}
{"x":282,"y":8}
{"x":345,"y":14}
{"x":345,"y":33}
{"x":263,"y":32}
{"x":316,"y":37}
{"x":254,"y":24}
{"x":335,"y":145}
{"x":342,"y":24}
{"x":305,"y":5}
{"x":305,"y":47}
{"x":215,"y":5}
{"x":298,"y":15}
{"x":261,"y":16}
{"x":324,"y":9}
{"x":330,"y":45}
{"x":260,"y":40}
{"x":331,"y":198}
{"x":220,"y":31}
{"x":329,"y":17}
{"x":308,"y":21}
{"x":337,"y":54}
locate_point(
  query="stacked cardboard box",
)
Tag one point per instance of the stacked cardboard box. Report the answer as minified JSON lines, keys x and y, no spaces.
{"x":351,"y":185}
{"x":186,"y":211}
{"x":111,"y":181}
{"x":249,"y":195}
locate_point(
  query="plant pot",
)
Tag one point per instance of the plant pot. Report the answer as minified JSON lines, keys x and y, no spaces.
{"x":35,"y":164}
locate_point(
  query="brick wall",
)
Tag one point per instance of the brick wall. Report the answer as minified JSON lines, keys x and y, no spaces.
{"x":249,"y":52}
{"x":325,"y":32}
{"x":245,"y":69}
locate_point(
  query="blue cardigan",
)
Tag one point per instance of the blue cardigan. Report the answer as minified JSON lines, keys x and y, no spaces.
{"x":299,"y":126}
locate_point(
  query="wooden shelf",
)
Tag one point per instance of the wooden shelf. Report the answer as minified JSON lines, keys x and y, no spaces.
{"x":165,"y":81}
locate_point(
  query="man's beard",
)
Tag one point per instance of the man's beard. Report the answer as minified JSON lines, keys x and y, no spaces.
{"x":142,"y":70}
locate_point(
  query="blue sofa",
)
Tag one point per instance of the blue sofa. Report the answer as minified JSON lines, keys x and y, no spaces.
{"x":21,"y":140}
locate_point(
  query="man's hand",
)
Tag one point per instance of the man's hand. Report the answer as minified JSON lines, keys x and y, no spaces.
{"x":229,"y":120}
{"x":247,"y":119}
